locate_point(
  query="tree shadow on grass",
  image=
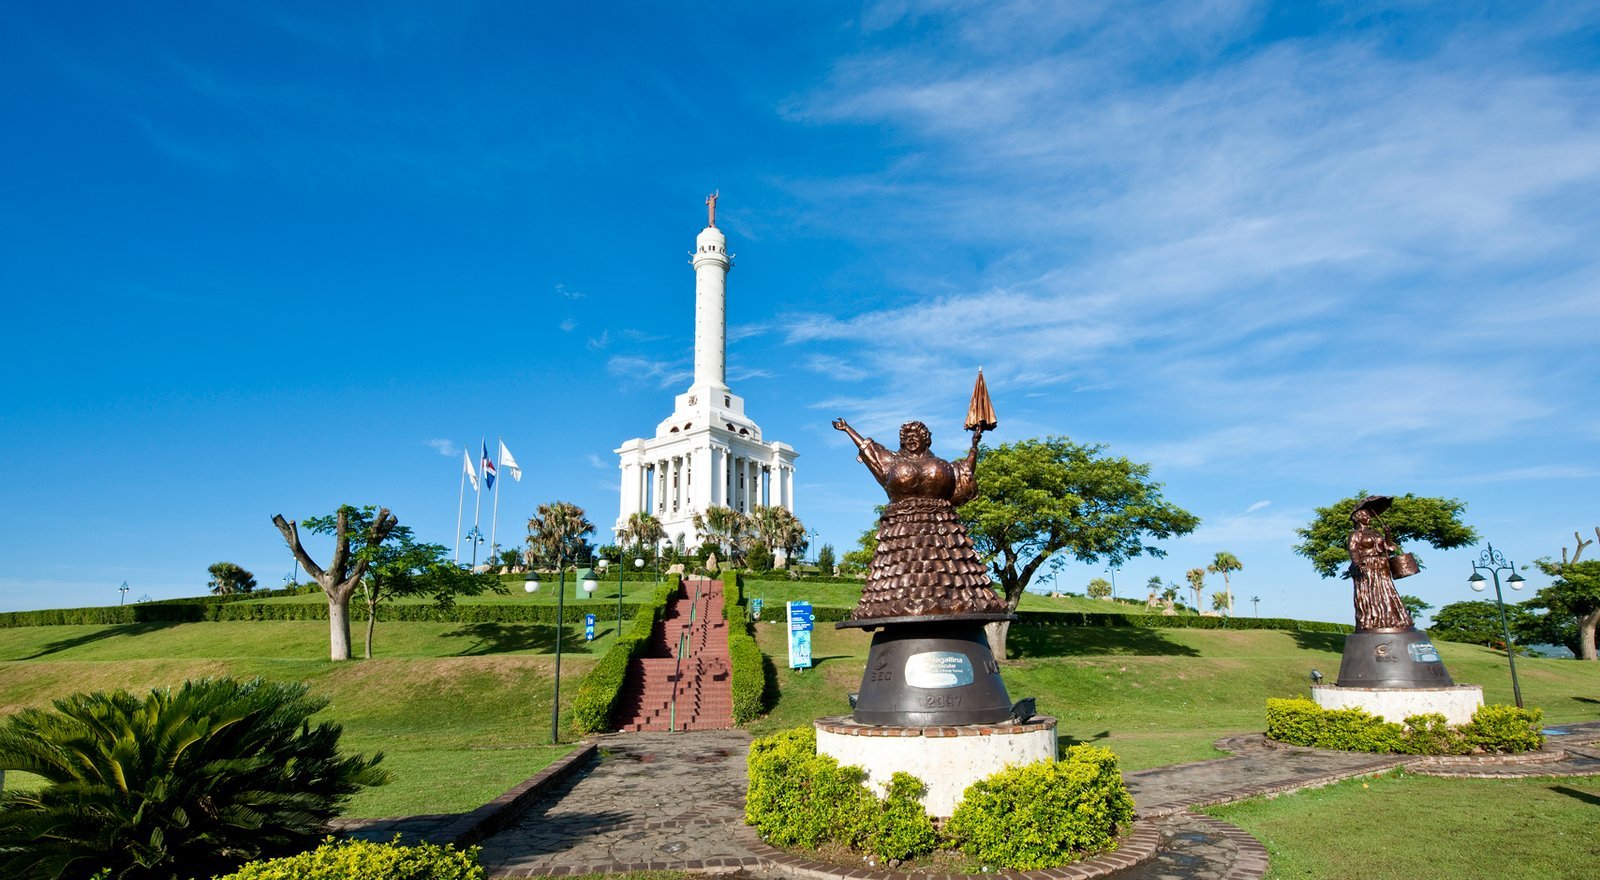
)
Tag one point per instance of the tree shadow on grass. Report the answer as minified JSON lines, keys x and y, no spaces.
{"x":1333,"y":643}
{"x":510,"y":638}
{"x":110,"y":632}
{"x":1066,"y":741}
{"x":1586,"y":797}
{"x":1027,"y":642}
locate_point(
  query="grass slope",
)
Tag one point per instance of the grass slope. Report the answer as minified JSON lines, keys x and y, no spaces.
{"x":462,"y":712}
{"x":1161,"y":696}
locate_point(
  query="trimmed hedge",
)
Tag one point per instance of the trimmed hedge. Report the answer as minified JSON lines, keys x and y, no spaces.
{"x":363,"y":860}
{"x":197,"y":612}
{"x":834,"y":614}
{"x":596,"y":697}
{"x":1301,"y":722}
{"x":1046,"y":814}
{"x":749,"y":675}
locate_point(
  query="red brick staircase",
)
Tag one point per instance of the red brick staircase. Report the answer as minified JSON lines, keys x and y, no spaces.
{"x":700,"y":680}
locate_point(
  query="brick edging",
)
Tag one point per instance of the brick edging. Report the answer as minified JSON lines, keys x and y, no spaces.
{"x":1250,"y":855}
{"x":499,"y":813}
{"x":1136,"y":847}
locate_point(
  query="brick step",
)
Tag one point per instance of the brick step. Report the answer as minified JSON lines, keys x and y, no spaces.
{"x":700,"y":681}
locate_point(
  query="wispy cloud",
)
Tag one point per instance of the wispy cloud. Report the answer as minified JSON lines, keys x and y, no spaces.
{"x":596,"y":462}
{"x":596,"y":343}
{"x":443,"y":447}
{"x":568,"y":325}
{"x":642,"y":371}
{"x":1259,"y":505}
{"x":564,"y":293}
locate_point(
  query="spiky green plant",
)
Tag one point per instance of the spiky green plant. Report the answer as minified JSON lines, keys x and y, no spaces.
{"x":188,"y":782}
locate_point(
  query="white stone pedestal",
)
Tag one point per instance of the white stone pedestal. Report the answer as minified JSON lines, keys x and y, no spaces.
{"x":947,"y":759}
{"x":1455,"y":703}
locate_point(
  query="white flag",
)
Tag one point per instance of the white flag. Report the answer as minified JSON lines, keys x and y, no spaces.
{"x":466,"y":466}
{"x":509,"y":463}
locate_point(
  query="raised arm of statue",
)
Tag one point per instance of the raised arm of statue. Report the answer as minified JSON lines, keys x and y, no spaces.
{"x":967,"y":474}
{"x":873,"y":454}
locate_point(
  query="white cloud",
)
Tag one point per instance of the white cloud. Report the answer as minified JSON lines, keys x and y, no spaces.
{"x":444,"y":447}
{"x":1259,"y":505}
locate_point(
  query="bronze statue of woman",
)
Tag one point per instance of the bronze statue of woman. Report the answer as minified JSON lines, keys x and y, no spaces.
{"x":1378,"y":604}
{"x":925,"y":566}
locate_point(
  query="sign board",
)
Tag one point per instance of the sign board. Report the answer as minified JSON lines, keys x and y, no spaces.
{"x":800,"y":625}
{"x":588,"y":627}
{"x":755,"y":609}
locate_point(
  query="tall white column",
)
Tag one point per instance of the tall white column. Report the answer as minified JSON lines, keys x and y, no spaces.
{"x":711,"y":265}
{"x":788,"y":488}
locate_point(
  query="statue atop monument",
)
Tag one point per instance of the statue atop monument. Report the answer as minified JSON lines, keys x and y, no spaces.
{"x":1373,"y":564}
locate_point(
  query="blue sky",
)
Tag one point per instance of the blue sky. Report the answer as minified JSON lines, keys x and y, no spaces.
{"x":267,"y":258}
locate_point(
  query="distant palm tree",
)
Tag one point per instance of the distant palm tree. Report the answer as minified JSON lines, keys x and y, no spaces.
{"x":643,"y":529}
{"x":779,"y":529}
{"x":723,"y":526}
{"x":557,"y":532}
{"x":1256,"y":601}
{"x":1197,"y":582}
{"x":1222,"y":564}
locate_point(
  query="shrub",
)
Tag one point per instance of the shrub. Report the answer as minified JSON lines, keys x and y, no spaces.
{"x":200,"y":779}
{"x":1301,"y":722}
{"x":365,"y":860}
{"x":1046,"y":814}
{"x":1504,"y":729}
{"x":800,"y":798}
{"x":901,"y":828}
{"x":749,"y":674}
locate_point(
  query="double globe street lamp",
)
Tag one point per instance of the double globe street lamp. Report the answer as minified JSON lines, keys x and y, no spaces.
{"x":1493,"y":562}
{"x":530,"y":583}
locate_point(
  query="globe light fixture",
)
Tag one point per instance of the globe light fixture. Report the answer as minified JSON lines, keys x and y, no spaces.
{"x":530,"y":582}
{"x":1493,"y":562}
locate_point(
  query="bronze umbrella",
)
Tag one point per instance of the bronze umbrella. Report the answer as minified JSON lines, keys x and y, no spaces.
{"x":980,"y":412}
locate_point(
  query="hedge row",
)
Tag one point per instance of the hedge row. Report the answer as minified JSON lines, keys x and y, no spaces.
{"x":1494,"y":728}
{"x":833,"y":614}
{"x":596,"y":697}
{"x":173,"y":612}
{"x":749,"y":676}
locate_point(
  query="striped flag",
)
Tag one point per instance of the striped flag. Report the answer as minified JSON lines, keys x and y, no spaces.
{"x":488,"y":468}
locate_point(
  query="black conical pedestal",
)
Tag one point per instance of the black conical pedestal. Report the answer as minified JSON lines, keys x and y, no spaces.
{"x":931,"y":675}
{"x":1392,"y":659}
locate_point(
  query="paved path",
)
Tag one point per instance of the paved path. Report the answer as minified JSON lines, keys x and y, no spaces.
{"x":676,"y":800}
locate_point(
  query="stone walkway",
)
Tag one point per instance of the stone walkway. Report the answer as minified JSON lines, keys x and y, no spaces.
{"x":660,"y":801}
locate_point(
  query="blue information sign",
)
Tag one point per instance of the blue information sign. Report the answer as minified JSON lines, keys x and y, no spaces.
{"x":755,"y":609}
{"x":800,"y":625}
{"x":588,"y":627}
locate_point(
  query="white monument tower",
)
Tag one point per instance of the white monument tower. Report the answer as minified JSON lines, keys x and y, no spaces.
{"x":708,"y":452}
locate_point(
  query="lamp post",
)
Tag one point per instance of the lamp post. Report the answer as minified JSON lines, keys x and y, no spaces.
{"x":124,"y":591}
{"x":476,"y":537}
{"x":531,"y":585}
{"x":1494,"y":563}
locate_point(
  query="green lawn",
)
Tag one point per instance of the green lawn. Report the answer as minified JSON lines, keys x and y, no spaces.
{"x":1401,"y":825}
{"x":1161,"y":696}
{"x":462,"y":712}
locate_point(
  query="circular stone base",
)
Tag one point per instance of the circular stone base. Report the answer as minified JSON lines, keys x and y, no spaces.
{"x":946,"y":759}
{"x":1455,"y":703}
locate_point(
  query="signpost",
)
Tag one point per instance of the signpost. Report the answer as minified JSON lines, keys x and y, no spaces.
{"x":588,"y":627}
{"x":800,"y":624}
{"x":755,"y":609}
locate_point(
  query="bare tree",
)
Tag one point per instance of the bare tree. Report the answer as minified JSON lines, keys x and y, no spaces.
{"x":344,"y":571}
{"x":1576,"y":592}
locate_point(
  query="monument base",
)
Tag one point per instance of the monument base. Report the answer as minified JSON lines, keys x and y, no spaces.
{"x":1399,"y":658}
{"x":1455,"y":703}
{"x":946,"y":759}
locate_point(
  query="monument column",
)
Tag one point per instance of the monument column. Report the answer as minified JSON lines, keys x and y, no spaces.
{"x":711,"y":265}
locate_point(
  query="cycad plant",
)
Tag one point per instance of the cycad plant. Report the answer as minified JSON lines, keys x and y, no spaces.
{"x":189,"y":782}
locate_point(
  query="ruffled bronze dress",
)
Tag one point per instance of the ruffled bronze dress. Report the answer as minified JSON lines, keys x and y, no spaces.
{"x":925,"y":565}
{"x":1378,"y":605}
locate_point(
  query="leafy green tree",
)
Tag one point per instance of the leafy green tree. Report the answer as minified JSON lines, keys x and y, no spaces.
{"x":1433,"y":521}
{"x":1219,"y":602}
{"x":1223,"y":563}
{"x":778,"y":529}
{"x":758,"y":557}
{"x":826,"y":559}
{"x":509,"y":560}
{"x":400,"y":567}
{"x":1170,"y":592}
{"x":1478,"y":623}
{"x":1099,"y":588}
{"x":1038,"y":498}
{"x":1543,"y":626}
{"x":1575,"y":593}
{"x":1416,"y":606}
{"x":352,"y":530}
{"x":860,"y":559}
{"x":227,"y":578}
{"x":1197,"y":582}
{"x":558,"y":533}
{"x":181,"y":783}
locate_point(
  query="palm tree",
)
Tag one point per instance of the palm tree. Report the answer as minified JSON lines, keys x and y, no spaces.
{"x":187,"y":781}
{"x":779,"y":529}
{"x":1222,"y":564}
{"x":557,"y":532}
{"x":724,"y":527}
{"x":1256,"y":601}
{"x":1197,"y":582}
{"x":643,"y":529}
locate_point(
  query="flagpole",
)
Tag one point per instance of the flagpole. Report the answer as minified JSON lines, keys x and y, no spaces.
{"x":477,"y":517}
{"x":494,"y":518}
{"x":461,"y":499}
